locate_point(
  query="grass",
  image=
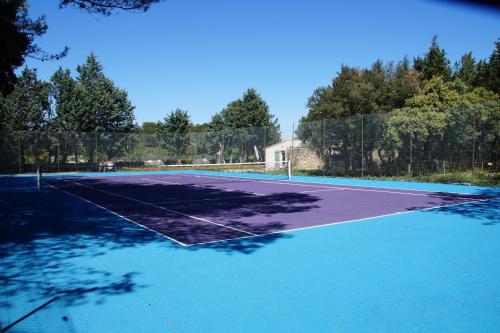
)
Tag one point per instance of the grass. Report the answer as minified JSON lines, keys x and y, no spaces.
{"x":463,"y":177}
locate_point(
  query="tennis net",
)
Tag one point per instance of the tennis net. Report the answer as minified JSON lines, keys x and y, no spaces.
{"x":279,"y":170}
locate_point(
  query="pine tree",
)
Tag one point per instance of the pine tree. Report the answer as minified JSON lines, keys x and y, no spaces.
{"x":64,"y":93}
{"x":493,"y":70}
{"x":466,"y":69}
{"x":434,"y":63}
{"x":174,"y":131}
{"x":102,"y":107}
{"x":27,"y":108}
{"x":251,"y":127}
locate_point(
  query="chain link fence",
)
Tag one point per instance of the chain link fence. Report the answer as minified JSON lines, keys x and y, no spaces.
{"x":393,"y":144}
{"x":379,"y":144}
{"x":22,"y":151}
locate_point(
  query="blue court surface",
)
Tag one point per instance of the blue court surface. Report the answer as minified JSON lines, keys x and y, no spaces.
{"x":73,"y":260}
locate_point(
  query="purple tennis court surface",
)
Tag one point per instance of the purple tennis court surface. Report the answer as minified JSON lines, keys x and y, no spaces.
{"x":195,"y":209}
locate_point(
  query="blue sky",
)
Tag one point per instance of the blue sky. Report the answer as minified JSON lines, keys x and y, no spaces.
{"x":200,"y":55}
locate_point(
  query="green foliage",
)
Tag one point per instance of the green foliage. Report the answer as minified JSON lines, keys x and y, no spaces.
{"x":148,"y":127}
{"x":353,"y":93}
{"x":103,"y":106}
{"x":174,"y":131}
{"x":107,"y":7}
{"x":435,"y":93}
{"x":493,"y":70}
{"x":200,"y":128}
{"x":481,"y":178}
{"x":28,"y":106}
{"x":66,"y":95}
{"x":387,"y":118}
{"x":243,"y":128}
{"x":466,"y":69}
{"x":474,"y":178}
{"x":434,"y":63}
{"x":18,"y":33}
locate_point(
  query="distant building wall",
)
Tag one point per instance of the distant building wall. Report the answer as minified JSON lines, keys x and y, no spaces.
{"x":304,"y":158}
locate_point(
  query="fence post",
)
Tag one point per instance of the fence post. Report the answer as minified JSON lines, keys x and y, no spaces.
{"x":411,"y":157}
{"x":265,"y":144}
{"x":58,"y":151}
{"x":96,"y":166}
{"x":290,"y":157}
{"x":19,"y":153}
{"x":324,"y":145}
{"x":128,"y":150}
{"x":362,"y":146}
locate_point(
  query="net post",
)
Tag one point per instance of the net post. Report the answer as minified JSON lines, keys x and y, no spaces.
{"x":289,"y":167}
{"x":38,"y":177}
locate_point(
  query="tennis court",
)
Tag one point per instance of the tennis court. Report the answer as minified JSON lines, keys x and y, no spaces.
{"x":191,"y":209}
{"x":215,"y":251}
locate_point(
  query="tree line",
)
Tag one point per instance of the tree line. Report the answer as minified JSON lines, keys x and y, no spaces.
{"x":239,"y":132}
{"x":392,"y":115}
{"x":383,"y":117}
{"x":84,"y":118}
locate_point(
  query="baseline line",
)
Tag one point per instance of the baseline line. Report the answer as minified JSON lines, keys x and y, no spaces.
{"x":160,"y":207}
{"x":342,"y":222}
{"x":306,"y":184}
{"x":331,"y":189}
{"x":197,"y":200}
{"x":317,"y":186}
{"x":197,"y":185}
{"x":116,"y":214}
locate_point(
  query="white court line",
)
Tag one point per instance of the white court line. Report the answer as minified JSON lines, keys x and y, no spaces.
{"x":275,"y":232}
{"x":202,"y":186}
{"x":160,"y":207}
{"x":306,"y":184}
{"x":164,"y":181}
{"x":342,"y":222}
{"x":116,"y":214}
{"x":331,"y":189}
{"x":316,"y":186}
{"x":198,"y":200}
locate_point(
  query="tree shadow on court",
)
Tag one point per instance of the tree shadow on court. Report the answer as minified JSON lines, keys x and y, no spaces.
{"x":208,"y":214}
{"x":50,"y":250}
{"x":487,"y":211}
{"x":52,"y":244}
{"x":243,"y":245}
{"x":484,"y":205}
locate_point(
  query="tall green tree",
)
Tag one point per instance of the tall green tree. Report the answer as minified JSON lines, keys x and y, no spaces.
{"x":434,"y":63}
{"x":102,"y":108}
{"x":342,"y":114}
{"x":67,"y":96}
{"x":466,"y":69}
{"x":174,"y":131}
{"x":403,"y":84}
{"x":17,"y":38}
{"x":493,"y":70}
{"x":248,"y":127}
{"x":27,"y":108}
{"x":65,"y":93}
